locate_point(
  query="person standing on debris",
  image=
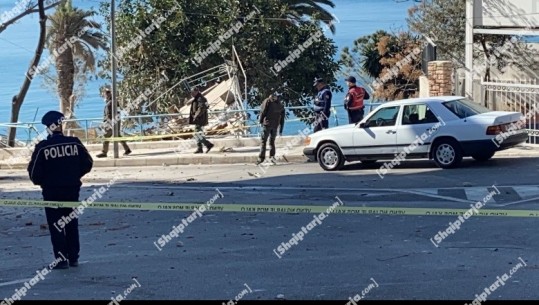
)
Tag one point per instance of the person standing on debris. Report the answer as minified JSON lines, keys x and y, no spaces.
{"x":272,"y":117}
{"x":107,"y":117}
{"x":199,"y":117}
{"x":353,"y":102}
{"x":322,"y":105}
{"x":58,"y":163}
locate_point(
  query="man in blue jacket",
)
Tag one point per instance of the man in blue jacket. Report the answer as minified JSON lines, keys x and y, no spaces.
{"x":58,"y":163}
{"x":322,"y":105}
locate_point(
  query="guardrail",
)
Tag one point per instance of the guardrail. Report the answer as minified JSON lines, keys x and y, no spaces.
{"x":88,"y":124}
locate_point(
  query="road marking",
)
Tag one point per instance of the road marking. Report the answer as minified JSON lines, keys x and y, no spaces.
{"x":253,"y":188}
{"x":266,"y":208}
{"x":516,"y":202}
{"x":473,"y":194}
{"x":455,"y":193}
{"x":14,"y":282}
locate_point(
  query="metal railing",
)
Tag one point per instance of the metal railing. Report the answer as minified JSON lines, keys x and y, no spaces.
{"x":518,"y":96}
{"x":156,"y":120}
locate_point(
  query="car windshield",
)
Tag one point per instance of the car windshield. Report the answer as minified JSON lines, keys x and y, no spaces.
{"x":464,"y":108}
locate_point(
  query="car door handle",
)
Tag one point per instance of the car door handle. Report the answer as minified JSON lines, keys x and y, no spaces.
{"x":390,"y":131}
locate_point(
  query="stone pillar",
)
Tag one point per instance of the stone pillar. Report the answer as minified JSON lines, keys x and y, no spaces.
{"x":423,"y":86}
{"x":440,"y":82}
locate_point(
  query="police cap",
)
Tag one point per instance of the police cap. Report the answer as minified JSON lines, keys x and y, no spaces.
{"x":317,"y":81}
{"x":52,"y":117}
{"x":351,"y":79}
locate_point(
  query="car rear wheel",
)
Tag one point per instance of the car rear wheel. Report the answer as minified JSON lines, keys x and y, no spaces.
{"x":447,"y":153}
{"x":330,"y":157}
{"x":484,"y":156}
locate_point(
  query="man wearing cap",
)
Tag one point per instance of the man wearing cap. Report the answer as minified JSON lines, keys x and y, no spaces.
{"x":198,"y":115}
{"x":272,"y":117}
{"x":58,"y":163}
{"x":353,"y":102}
{"x":108,"y":119}
{"x":322,"y":105}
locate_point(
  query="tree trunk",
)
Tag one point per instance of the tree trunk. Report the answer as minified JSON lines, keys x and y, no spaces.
{"x":486,"y":77}
{"x":66,"y":81}
{"x":19,"y":98}
{"x":66,"y":73}
{"x":28,"y":11}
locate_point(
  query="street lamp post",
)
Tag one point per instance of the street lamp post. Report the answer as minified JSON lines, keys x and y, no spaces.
{"x":115,"y":123}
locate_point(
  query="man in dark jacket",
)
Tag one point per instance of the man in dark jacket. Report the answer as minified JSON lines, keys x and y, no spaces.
{"x":353,"y":102}
{"x":272,"y":117}
{"x":108,"y":119}
{"x":322,"y":105}
{"x":58,"y":163}
{"x":199,"y":117}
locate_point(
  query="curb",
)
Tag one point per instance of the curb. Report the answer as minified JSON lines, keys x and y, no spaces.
{"x":225,"y":158}
{"x":175,"y":160}
{"x":189,"y":143}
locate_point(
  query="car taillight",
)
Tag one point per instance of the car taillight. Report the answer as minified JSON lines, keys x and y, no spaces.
{"x":307,"y":141}
{"x":497,"y":129}
{"x":494,"y":130}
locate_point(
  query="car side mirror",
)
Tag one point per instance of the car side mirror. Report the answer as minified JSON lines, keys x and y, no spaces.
{"x":362,"y":125}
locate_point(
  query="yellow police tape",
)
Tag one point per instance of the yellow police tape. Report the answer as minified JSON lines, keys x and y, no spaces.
{"x":151,"y":137}
{"x":266,"y":208}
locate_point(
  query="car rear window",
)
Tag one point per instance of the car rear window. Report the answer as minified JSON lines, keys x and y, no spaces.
{"x":464,"y":108}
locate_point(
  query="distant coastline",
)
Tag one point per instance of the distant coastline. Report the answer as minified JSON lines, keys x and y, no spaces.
{"x":17,"y":45}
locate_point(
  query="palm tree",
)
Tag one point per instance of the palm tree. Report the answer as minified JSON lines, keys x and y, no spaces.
{"x":72,"y":39}
{"x":298,"y":9}
{"x":368,"y":49}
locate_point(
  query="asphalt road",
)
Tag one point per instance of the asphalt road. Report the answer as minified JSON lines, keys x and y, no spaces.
{"x":222,"y":255}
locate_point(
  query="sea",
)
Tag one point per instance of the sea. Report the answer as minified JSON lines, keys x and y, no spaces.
{"x":356,"y":18}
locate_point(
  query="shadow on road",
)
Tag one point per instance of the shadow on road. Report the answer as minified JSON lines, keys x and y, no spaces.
{"x":429,"y":164}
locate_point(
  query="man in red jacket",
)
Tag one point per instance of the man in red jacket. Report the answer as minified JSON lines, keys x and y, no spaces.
{"x":353,"y":102}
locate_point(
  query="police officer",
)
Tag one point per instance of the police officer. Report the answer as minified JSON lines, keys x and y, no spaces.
{"x":322,"y":105}
{"x":58,"y":163}
{"x":198,"y":115}
{"x":353,"y":102}
{"x":272,"y":117}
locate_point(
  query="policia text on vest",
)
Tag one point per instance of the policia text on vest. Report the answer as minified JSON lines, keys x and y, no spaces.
{"x":60,"y":151}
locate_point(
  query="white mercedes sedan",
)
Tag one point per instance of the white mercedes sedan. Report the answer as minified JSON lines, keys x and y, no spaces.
{"x":443,"y":128}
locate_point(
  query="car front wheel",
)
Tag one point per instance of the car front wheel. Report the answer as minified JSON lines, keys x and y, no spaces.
{"x":330,"y":157}
{"x":447,"y":154}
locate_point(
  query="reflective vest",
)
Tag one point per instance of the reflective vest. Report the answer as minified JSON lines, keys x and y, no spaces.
{"x":354,"y":98}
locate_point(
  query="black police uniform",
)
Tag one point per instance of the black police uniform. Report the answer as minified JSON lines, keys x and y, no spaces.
{"x":322,"y":107}
{"x":57,"y":165}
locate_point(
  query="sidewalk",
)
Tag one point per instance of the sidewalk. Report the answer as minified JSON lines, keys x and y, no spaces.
{"x":225,"y":151}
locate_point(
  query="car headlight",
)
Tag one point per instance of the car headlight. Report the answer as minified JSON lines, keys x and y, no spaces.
{"x":307,"y":141}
